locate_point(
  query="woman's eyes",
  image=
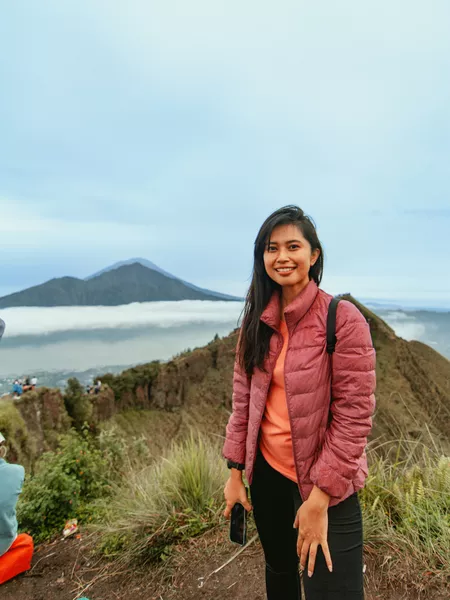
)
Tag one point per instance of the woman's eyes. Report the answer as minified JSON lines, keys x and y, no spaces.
{"x":274,"y":248}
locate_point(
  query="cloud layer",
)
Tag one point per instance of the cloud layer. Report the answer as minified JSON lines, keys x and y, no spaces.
{"x":43,"y":321}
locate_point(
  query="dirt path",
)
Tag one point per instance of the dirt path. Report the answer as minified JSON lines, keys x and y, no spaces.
{"x":66,"y":570}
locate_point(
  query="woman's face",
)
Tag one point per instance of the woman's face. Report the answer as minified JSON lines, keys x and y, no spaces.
{"x":288,"y":257}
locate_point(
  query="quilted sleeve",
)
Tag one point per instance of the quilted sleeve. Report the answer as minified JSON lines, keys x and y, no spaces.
{"x":352,"y":406}
{"x":236,"y":433}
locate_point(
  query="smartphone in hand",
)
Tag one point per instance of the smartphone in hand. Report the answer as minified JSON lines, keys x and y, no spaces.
{"x":238,"y":524}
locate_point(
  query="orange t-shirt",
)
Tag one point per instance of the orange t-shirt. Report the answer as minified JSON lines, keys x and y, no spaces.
{"x":276,"y":440}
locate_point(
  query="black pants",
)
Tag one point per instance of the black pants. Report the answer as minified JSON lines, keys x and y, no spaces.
{"x":276,"y":500}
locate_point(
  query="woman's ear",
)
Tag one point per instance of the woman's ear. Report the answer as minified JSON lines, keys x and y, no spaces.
{"x":314,"y":256}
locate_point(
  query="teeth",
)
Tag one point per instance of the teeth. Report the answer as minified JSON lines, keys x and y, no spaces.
{"x":285,"y":270}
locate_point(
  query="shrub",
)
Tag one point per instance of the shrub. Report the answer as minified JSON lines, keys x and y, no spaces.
{"x":131,"y":379}
{"x":62,"y":486}
{"x":121,"y":453}
{"x":15,"y":431}
{"x":78,"y":405}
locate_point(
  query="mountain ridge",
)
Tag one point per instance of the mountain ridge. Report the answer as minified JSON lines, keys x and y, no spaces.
{"x":113,"y":287}
{"x":150,"y":265}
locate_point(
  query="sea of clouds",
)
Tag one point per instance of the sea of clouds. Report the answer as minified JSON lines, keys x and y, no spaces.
{"x":26,"y":321}
{"x":81,"y":338}
{"x":41,"y":321}
{"x":406,"y":326}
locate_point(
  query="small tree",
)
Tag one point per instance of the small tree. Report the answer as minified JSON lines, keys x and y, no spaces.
{"x":78,"y":405}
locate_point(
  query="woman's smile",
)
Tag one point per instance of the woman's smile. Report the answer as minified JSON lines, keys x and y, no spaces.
{"x":285,"y":270}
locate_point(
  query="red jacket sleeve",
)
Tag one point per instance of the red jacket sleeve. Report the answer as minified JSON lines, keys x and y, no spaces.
{"x":236,"y":433}
{"x":352,"y":406}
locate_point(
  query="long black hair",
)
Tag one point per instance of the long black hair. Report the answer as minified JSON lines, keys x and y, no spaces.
{"x":254,"y":340}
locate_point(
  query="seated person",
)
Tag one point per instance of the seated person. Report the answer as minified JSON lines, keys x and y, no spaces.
{"x":17,"y":388}
{"x":16,"y":551}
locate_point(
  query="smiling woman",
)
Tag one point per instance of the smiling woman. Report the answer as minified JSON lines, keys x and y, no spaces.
{"x":300,"y":421}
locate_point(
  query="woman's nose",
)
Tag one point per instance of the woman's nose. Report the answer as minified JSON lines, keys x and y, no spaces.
{"x":282,"y":256}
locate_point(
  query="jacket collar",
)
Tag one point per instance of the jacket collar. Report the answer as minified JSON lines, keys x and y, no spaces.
{"x":294,"y":311}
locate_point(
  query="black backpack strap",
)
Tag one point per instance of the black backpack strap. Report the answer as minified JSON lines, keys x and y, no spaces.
{"x":331,"y":325}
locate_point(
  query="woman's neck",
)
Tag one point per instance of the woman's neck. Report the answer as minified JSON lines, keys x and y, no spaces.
{"x":289,"y":293}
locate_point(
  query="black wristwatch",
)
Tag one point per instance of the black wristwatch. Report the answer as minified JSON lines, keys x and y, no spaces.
{"x":235,"y":465}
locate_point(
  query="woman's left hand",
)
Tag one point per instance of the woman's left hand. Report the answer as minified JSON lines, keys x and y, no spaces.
{"x":312,"y":523}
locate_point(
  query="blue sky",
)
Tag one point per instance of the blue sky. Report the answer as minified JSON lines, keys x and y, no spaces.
{"x":170,"y":130}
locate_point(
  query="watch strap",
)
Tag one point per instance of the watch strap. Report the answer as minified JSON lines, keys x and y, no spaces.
{"x":234,"y":465}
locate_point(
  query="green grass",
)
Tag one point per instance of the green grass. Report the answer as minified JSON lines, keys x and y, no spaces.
{"x":153,"y":503}
{"x":175,"y":498}
{"x":406,"y":509}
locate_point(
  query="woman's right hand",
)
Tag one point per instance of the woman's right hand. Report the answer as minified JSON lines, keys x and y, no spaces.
{"x":235,"y":492}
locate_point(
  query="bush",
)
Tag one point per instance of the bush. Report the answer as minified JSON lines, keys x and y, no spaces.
{"x":63,"y":485}
{"x":131,"y":379}
{"x":78,"y":405}
{"x":15,"y":431}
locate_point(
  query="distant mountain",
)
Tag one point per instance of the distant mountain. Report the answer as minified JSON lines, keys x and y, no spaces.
{"x":147,"y":263}
{"x":122,"y":285}
{"x":142,"y":261}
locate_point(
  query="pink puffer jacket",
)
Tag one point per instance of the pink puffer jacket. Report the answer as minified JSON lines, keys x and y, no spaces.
{"x":328,"y":438}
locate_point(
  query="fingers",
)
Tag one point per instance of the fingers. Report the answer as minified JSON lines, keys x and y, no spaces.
{"x":227,"y":512}
{"x":305,"y":547}
{"x":312,"y":558}
{"x":296,"y":521}
{"x":228,"y":509}
{"x":326,"y":552}
{"x":300,"y":540}
{"x":304,"y":553}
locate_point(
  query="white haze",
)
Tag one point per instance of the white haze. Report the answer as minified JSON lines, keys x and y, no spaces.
{"x":41,"y":321}
{"x":80,"y":338}
{"x":405,"y":325}
{"x":37,"y":321}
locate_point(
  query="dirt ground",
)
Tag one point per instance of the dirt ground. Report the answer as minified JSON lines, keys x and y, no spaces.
{"x":67,"y":570}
